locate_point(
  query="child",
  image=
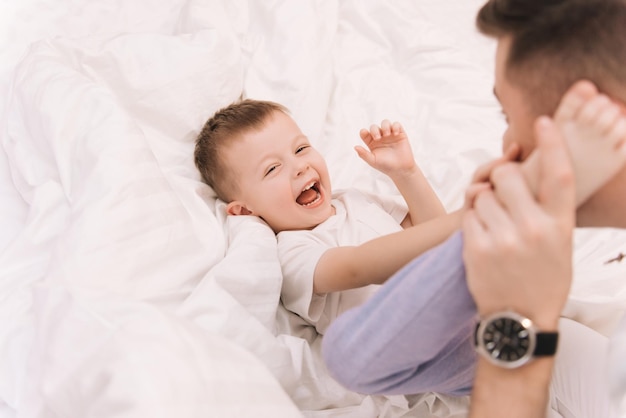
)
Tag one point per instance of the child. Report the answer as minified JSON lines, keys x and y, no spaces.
{"x":331,"y":246}
{"x":257,"y":160}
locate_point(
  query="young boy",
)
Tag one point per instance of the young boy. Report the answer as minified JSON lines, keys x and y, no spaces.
{"x":257,"y":160}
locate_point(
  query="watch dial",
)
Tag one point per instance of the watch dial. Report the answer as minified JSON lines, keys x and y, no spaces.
{"x":506,"y":339}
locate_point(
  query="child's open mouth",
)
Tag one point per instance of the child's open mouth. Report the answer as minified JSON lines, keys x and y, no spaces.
{"x":309,"y":195}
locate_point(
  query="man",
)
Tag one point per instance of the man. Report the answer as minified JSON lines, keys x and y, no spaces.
{"x":417,"y":334}
{"x":530,"y":270}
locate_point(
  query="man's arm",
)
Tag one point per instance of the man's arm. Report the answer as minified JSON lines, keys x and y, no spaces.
{"x":518,"y":255}
{"x":519,"y":393}
{"x":518,"y":250}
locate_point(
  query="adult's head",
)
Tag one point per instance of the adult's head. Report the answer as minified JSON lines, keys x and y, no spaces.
{"x":544,"y":46}
{"x":257,"y":159}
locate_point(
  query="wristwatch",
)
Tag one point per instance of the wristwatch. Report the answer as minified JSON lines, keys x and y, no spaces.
{"x":508,"y":339}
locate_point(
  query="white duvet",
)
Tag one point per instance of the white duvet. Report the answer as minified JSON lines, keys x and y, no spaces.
{"x":124,"y":289}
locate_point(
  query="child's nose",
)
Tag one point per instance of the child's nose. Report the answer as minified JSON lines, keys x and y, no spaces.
{"x":301,"y":168}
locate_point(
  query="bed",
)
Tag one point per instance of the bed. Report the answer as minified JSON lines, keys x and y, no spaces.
{"x":124,"y":288}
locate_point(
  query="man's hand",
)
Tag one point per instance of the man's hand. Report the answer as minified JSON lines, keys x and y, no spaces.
{"x":480,"y":179}
{"x":518,"y":249}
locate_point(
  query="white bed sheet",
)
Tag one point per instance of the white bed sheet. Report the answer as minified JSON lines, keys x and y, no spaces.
{"x":124,"y":289}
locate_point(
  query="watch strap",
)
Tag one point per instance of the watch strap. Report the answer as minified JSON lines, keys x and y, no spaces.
{"x":546,"y":344}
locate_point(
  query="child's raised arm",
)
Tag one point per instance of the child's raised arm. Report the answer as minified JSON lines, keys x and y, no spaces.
{"x":389,"y":152}
{"x":373,"y":262}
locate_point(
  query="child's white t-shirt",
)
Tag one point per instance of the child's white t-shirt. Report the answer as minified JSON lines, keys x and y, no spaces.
{"x":359,"y":217}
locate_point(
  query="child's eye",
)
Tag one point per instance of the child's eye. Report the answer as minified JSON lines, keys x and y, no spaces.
{"x":302,"y":148}
{"x":269,"y":170}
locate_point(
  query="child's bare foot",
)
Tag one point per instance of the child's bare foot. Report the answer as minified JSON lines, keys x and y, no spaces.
{"x":594,"y":128}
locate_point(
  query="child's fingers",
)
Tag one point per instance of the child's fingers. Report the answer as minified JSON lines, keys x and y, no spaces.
{"x":385,"y":127}
{"x":365,"y":135}
{"x":365,"y":155}
{"x":375,"y":132}
{"x":396,"y":128}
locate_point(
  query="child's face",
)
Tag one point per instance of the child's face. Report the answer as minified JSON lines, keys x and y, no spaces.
{"x":281,"y":177}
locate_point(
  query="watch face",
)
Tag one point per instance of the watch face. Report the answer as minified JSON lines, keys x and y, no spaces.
{"x":507,"y":340}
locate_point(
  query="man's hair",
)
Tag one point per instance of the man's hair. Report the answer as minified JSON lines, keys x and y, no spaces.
{"x":224,"y":127}
{"x":557,"y":42}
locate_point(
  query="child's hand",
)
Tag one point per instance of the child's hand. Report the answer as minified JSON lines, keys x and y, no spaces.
{"x":389,"y":149}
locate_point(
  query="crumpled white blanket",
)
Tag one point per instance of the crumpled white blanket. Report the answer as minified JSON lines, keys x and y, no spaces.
{"x":124,"y":288}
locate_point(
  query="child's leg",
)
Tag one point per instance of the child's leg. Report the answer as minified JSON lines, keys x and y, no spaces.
{"x":595,"y":130}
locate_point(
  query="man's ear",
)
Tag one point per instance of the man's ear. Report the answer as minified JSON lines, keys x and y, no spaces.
{"x":236,"y":208}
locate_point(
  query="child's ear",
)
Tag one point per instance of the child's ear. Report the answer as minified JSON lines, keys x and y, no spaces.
{"x":237,"y":208}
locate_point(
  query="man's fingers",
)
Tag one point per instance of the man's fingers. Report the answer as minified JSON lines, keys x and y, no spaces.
{"x":483,"y":172}
{"x":492,"y":212}
{"x":474,"y":233}
{"x":474,"y":190}
{"x":555,"y":177}
{"x":512,"y":190}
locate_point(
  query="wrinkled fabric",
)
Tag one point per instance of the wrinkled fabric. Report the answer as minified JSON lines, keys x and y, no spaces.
{"x":119,"y":269}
